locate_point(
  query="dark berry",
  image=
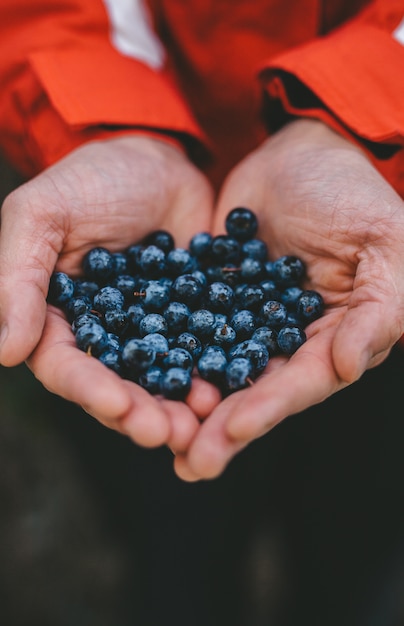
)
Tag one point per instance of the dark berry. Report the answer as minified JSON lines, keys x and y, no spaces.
{"x":253,"y":350}
{"x":108,"y":298}
{"x":241,"y":223}
{"x":176,"y":315}
{"x":92,"y":338}
{"x":153,"y":323}
{"x":220,"y":297}
{"x":212,"y":363}
{"x":152,"y":261}
{"x":138,"y":355}
{"x":160,"y":238}
{"x":200,"y":245}
{"x":288,"y":270}
{"x":201,"y":323}
{"x":151,"y":379}
{"x":61,"y":288}
{"x":178,"y":357}
{"x":98,"y":265}
{"x":175,"y":383}
{"x":309,"y":306}
{"x":273,"y":313}
{"x":290,"y":338}
{"x":191,"y":343}
{"x":238,"y":374}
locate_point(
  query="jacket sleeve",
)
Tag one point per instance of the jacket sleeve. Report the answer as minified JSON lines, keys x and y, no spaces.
{"x":65,"y":81}
{"x":351,"y":79}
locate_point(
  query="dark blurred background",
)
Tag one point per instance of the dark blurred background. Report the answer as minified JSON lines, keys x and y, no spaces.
{"x":305,"y":527}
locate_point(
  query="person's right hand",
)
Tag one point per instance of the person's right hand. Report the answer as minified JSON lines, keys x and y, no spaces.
{"x":108,"y":193}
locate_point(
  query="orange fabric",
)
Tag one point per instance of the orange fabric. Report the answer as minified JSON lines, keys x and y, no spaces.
{"x":63,"y":82}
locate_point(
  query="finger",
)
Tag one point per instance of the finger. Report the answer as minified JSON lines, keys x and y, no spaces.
{"x":364,"y":338}
{"x":212,"y":448}
{"x":72,"y":374}
{"x":28,"y":253}
{"x":183,"y":425}
{"x":203,"y":397}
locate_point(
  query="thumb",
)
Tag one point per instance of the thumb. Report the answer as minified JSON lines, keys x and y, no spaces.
{"x":28,"y":253}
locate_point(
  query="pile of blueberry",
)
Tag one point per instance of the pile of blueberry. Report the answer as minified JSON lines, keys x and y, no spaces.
{"x":156,"y":313}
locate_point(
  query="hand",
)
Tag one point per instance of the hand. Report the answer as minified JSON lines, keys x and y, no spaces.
{"x":110,"y":193}
{"x":316,"y":196}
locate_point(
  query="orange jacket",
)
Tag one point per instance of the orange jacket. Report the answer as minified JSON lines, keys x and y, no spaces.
{"x":77,"y":70}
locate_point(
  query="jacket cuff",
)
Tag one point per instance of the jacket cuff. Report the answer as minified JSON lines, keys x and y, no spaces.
{"x":72,"y":96}
{"x":349,"y":80}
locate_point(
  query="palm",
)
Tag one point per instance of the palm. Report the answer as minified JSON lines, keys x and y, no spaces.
{"x":317,"y":197}
{"x":112,"y":194}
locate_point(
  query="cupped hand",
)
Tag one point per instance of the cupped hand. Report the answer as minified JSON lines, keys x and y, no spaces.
{"x":317,"y":196}
{"x":107,"y":193}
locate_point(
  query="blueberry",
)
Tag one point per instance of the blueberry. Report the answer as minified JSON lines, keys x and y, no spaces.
{"x":290,"y":338}
{"x":137,"y":355}
{"x":244,"y":323}
{"x":200,"y":245}
{"x":153,"y":323}
{"x":120,"y":263}
{"x":251,"y":270}
{"x":92,"y":338}
{"x":77,"y":306}
{"x":273,"y":313}
{"x":224,"y":335}
{"x":116,"y":321}
{"x":241,"y":223}
{"x":191,"y":343}
{"x":85,"y":318}
{"x":253,"y":350}
{"x":251,"y":297}
{"x":135,"y":313}
{"x":160,"y":238}
{"x":133,"y":254}
{"x":220,"y":297}
{"x":156,"y":295}
{"x":61,"y":288}
{"x":87,"y":288}
{"x":112,"y":359}
{"x":212,"y":364}
{"x":127,"y":285}
{"x":201,"y":323}
{"x":288,"y":270}
{"x":159,"y":343}
{"x":271,"y":290}
{"x":98,"y":265}
{"x":225,"y":249}
{"x":152,"y":261}
{"x":186,"y":288}
{"x":180,"y":261}
{"x":309,"y":306}
{"x":289,"y":297}
{"x":255,"y":249}
{"x":178,"y":357}
{"x":176,"y":315}
{"x":175,"y":383}
{"x":108,"y":298}
{"x":238,"y":374}
{"x":150,"y":379}
{"x":268,"y":337}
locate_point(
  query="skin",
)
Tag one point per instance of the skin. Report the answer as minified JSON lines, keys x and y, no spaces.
{"x":316,"y":195}
{"x":109,"y":193}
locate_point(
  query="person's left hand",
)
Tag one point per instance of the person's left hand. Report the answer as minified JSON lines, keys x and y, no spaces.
{"x":316,"y":196}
